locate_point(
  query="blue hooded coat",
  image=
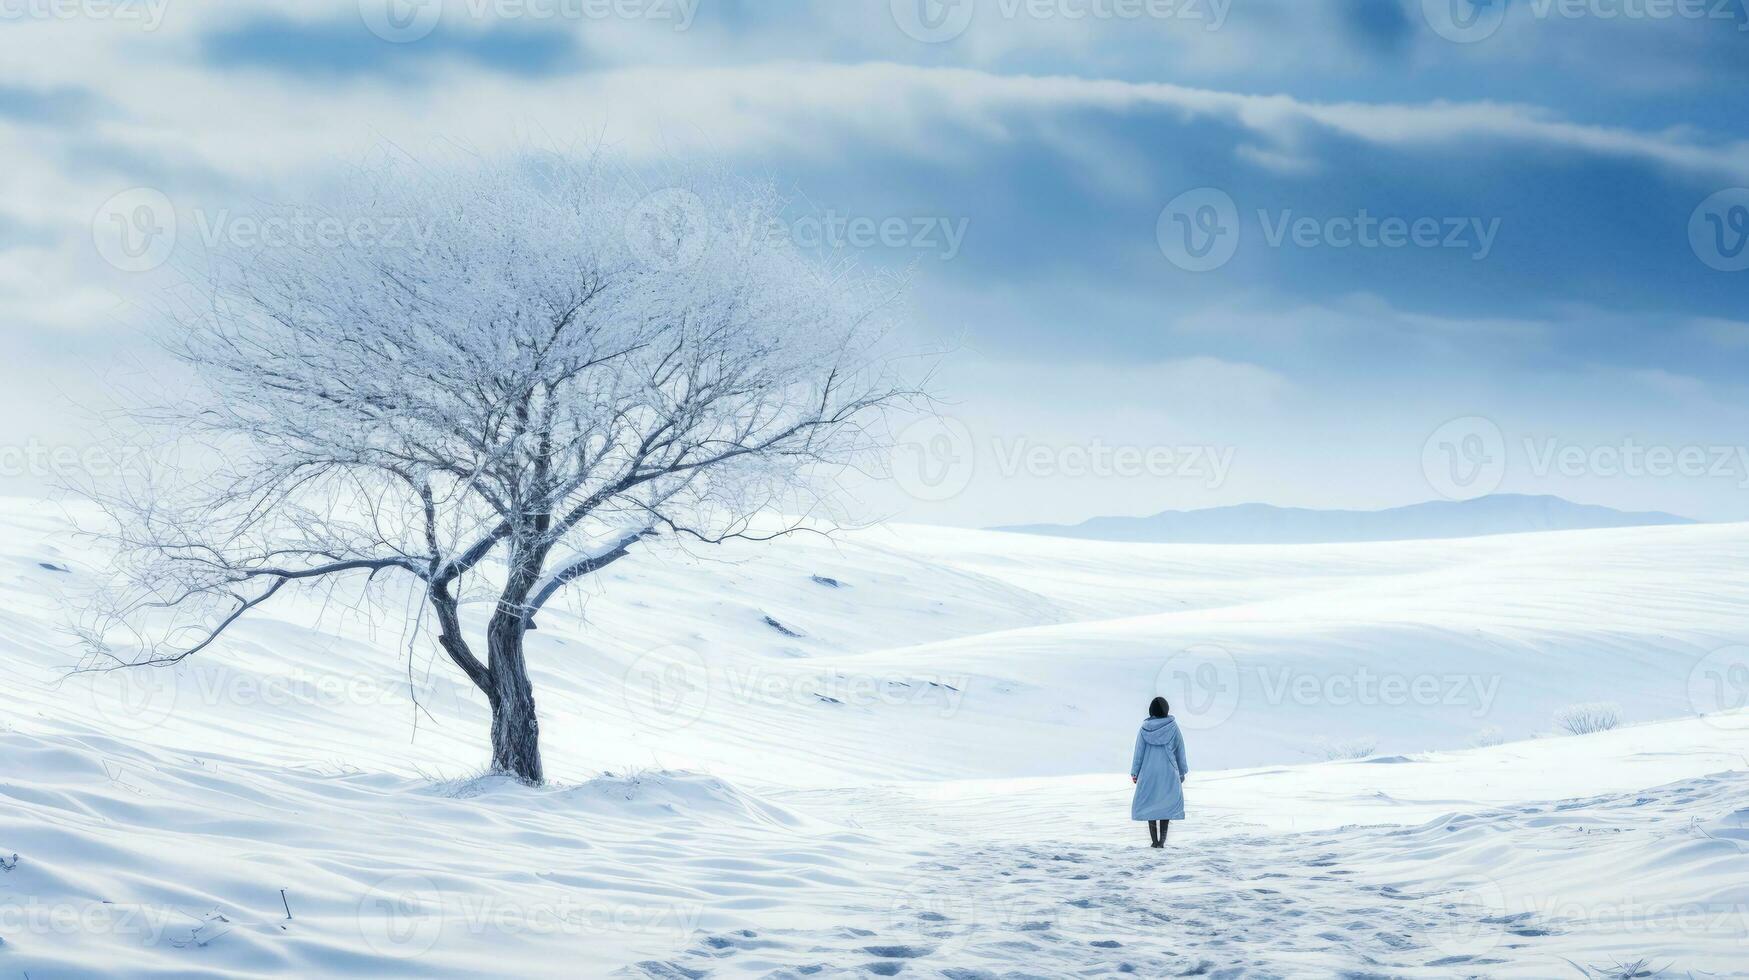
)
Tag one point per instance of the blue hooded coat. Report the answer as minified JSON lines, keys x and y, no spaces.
{"x":1159,"y":769}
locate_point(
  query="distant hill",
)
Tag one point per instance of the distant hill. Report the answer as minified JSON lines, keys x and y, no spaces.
{"x":1504,"y":513}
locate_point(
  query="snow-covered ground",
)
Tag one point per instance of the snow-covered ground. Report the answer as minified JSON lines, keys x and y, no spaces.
{"x":925,"y":779}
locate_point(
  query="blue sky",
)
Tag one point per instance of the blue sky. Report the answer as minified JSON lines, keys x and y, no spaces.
{"x":1566,"y":159}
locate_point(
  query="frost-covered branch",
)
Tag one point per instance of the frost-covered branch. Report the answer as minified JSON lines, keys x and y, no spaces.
{"x":577,"y":566}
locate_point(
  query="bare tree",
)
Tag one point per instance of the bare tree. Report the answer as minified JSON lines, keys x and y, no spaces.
{"x":495,"y":376}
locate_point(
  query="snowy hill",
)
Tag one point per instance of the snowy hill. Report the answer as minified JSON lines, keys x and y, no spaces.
{"x":936,"y":643}
{"x":1504,"y":862}
{"x":901,"y":751}
{"x":1264,"y":524}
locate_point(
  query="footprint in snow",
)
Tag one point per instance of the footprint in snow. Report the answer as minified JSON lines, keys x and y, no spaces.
{"x":897,"y":952}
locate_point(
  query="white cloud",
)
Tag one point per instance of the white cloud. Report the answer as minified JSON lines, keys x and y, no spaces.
{"x":1732,"y":334}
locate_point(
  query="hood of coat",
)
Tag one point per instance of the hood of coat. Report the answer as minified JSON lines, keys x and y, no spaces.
{"x":1159,"y":731}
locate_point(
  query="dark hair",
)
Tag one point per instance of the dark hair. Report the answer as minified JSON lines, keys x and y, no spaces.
{"x":1158,"y":708}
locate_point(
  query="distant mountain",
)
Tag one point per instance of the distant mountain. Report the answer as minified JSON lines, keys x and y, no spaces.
{"x":1504,"y":513}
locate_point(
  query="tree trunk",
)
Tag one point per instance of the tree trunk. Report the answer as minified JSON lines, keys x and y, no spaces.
{"x":515,"y":727}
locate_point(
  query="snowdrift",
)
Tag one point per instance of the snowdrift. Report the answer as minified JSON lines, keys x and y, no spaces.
{"x":900,"y":751}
